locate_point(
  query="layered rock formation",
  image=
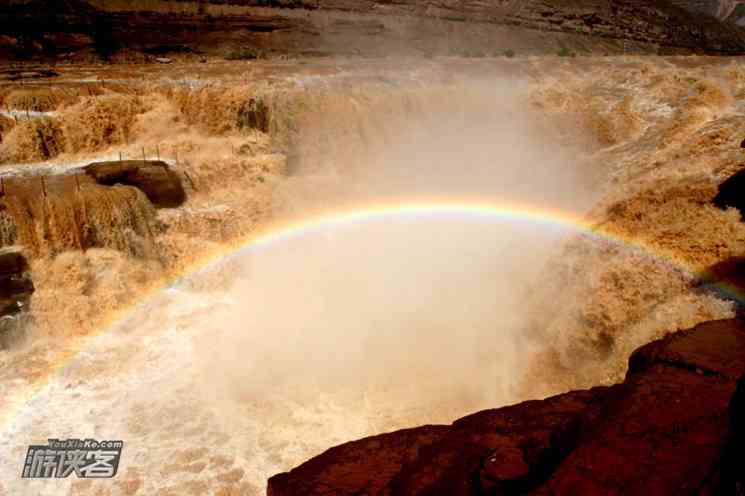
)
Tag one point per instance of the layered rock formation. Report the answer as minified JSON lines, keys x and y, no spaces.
{"x":672,"y":427}
{"x":369,"y":27}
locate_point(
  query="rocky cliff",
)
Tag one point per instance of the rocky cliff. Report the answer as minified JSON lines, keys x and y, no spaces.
{"x":369,"y":27}
{"x":674,"y":426}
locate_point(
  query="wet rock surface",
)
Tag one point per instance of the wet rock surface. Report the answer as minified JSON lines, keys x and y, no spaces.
{"x":672,"y":427}
{"x":156,"y":179}
{"x":16,"y":288}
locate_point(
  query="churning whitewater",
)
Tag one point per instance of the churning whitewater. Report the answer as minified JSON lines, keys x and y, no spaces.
{"x":261,"y":361}
{"x":349,"y":328}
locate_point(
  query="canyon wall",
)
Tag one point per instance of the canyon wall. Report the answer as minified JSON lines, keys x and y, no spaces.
{"x":362,"y":28}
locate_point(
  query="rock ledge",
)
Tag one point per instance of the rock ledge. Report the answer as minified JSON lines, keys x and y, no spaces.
{"x":669,"y":428}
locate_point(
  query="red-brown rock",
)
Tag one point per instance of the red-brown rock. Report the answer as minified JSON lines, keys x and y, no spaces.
{"x":733,"y":463}
{"x":672,"y":427}
{"x":366,"y":465}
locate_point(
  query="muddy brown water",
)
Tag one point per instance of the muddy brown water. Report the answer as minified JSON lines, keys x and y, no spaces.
{"x":265,"y":360}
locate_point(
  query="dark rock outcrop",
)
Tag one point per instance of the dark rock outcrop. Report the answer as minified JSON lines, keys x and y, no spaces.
{"x":672,"y":427}
{"x":732,"y":193}
{"x":733,"y":463}
{"x":506,"y":450}
{"x":45,"y":26}
{"x":154,"y":178}
{"x":15,"y":290}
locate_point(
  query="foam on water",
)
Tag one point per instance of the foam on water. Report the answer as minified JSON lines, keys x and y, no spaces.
{"x":305,"y":346}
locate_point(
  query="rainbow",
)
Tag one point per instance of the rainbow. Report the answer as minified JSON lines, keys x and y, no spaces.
{"x":281,"y":232}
